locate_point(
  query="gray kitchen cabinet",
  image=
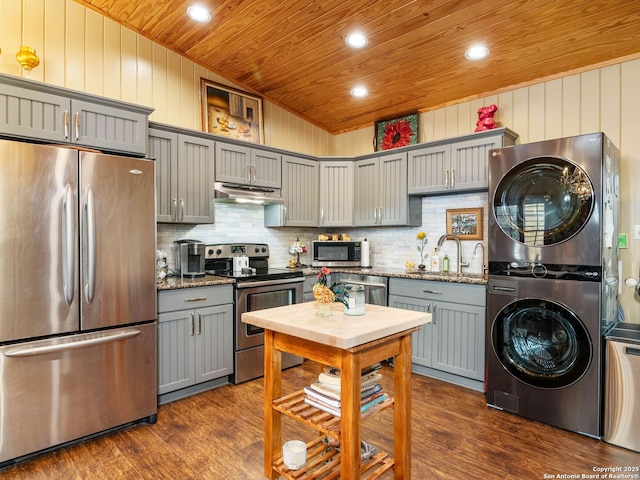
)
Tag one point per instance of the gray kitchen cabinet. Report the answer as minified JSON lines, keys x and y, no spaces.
{"x":195,"y":344}
{"x":336,"y":193}
{"x":452,"y":346}
{"x":380,"y":192}
{"x":300,"y":189}
{"x":184,"y":175}
{"x":248,"y":166}
{"x":455,"y":165}
{"x":37,"y":111}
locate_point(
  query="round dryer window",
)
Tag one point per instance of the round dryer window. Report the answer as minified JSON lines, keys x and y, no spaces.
{"x":541,"y":343}
{"x":543,"y":201}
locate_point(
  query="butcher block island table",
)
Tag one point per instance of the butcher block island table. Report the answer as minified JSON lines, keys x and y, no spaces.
{"x":349,"y":343}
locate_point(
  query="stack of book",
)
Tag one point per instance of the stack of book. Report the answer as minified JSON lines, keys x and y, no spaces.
{"x":325,"y":392}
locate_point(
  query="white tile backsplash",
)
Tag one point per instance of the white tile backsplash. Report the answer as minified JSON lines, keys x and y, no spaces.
{"x":391,"y":247}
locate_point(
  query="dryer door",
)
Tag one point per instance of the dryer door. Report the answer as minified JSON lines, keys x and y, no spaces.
{"x":541,"y":343}
{"x":543,"y":201}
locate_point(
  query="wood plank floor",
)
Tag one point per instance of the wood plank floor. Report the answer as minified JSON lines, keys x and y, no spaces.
{"x":218,"y":435}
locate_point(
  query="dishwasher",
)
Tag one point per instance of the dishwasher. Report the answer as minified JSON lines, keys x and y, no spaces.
{"x":622,"y":386}
{"x":375,"y":288}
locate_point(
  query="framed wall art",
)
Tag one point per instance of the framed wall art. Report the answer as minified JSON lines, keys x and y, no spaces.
{"x":230,"y":112}
{"x":397,"y":132}
{"x":465,"y":223}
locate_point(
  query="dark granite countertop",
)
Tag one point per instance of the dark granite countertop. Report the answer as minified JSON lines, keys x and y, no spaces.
{"x":173,"y":283}
{"x":472,"y":278}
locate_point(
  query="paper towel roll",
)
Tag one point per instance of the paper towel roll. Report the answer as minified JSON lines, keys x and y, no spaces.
{"x":364,"y":254}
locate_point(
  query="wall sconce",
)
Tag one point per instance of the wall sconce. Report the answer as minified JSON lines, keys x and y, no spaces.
{"x":27,"y":58}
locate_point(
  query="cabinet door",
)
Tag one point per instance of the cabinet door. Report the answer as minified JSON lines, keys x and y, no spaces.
{"x":366,"y":199}
{"x":109,"y":128}
{"x":422,"y":341}
{"x":336,"y":194}
{"x":29,"y":114}
{"x":163,"y":148}
{"x":392,"y":196}
{"x":176,"y":362}
{"x":428,"y":169}
{"x":213,"y":342}
{"x":458,"y":345}
{"x":195,"y":179}
{"x":266,"y":169}
{"x":233,"y":163}
{"x":470,"y":161}
{"x":300,"y":192}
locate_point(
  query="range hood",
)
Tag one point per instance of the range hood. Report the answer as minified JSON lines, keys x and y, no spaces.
{"x":235,"y":193}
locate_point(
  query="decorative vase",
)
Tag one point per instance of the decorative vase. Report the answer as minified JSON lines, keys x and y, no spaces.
{"x":325,"y":297}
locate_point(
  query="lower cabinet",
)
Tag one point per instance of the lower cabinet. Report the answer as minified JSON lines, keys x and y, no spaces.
{"x":452,"y":346}
{"x":195,"y":344}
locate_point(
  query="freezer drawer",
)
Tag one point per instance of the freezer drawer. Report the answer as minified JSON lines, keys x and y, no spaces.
{"x":622,"y":394}
{"x":58,"y":390}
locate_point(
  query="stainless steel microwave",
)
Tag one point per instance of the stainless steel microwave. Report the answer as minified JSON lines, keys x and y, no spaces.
{"x":336,"y":254}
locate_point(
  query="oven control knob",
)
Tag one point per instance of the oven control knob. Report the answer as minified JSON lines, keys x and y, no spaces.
{"x":210,"y":251}
{"x":264,"y":249}
{"x":257,"y":249}
{"x":218,"y":251}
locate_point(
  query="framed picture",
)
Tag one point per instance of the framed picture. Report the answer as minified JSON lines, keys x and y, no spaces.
{"x":398,"y":132}
{"x":230,"y":112}
{"x":465,"y":223}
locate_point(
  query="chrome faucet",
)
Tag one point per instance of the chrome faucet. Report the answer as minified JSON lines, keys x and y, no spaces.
{"x":475,"y":249}
{"x":450,"y":236}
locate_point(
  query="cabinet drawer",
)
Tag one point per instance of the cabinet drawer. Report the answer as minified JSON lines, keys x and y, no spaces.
{"x":187,"y":298}
{"x":440,"y":291}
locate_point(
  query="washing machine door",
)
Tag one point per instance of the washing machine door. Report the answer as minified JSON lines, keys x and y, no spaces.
{"x":543,"y":201}
{"x":541,"y":343}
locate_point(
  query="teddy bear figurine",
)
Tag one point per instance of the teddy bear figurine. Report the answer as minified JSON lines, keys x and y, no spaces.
{"x":485,"y":118}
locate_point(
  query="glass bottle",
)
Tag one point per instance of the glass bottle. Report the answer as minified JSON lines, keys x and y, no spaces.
{"x":445,"y":263}
{"x":435,"y":261}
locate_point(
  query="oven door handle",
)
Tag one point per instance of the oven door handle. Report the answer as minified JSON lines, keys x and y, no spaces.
{"x":269,"y":283}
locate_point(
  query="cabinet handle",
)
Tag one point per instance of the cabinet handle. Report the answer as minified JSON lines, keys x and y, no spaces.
{"x":284,"y":215}
{"x":66,"y":124}
{"x":248,"y":173}
{"x":199,"y":323}
{"x":193,"y":324}
{"x":375,"y":215}
{"x":195,"y":299}
{"x":255,"y":174}
{"x":453,"y":178}
{"x":174,"y":209}
{"x":434,"y":315}
{"x":380,"y":216}
{"x":77,"y":126}
{"x":322,"y":216}
{"x":435,"y":292}
{"x":181,"y":209}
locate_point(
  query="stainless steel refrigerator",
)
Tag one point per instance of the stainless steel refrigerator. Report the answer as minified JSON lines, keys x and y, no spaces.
{"x":78,"y":296}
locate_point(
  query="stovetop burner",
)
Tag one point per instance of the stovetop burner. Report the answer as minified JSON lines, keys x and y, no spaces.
{"x":219,"y":261}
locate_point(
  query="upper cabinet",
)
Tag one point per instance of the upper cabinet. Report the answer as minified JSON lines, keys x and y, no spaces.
{"x":37,"y":111}
{"x":248,"y":166}
{"x":184,"y":175}
{"x":455,"y":166}
{"x":300,"y":192}
{"x":336,"y":194}
{"x":381,"y":197}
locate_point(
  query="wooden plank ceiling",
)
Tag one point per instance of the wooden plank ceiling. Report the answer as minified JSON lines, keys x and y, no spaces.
{"x":293,"y":52}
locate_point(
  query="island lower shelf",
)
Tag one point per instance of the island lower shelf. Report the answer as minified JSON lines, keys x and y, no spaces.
{"x":323,"y":460}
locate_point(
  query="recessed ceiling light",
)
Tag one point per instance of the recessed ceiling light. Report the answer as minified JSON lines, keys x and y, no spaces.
{"x":359,"y":91}
{"x":356,"y":40}
{"x":477,"y":52}
{"x":199,"y":13}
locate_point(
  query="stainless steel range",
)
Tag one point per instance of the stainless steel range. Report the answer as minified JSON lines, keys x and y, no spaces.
{"x":257,"y":287}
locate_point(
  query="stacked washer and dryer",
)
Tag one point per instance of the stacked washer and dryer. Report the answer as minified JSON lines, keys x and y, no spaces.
{"x":553,"y":278}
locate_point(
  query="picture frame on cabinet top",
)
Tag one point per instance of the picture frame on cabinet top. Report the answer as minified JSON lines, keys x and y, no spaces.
{"x":465,"y":223}
{"x":231,"y":113}
{"x":396,"y":132}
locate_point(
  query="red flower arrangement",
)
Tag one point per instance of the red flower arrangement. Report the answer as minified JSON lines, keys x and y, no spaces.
{"x":397,"y":134}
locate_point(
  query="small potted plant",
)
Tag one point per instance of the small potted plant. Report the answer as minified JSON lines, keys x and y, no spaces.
{"x":422,"y":243}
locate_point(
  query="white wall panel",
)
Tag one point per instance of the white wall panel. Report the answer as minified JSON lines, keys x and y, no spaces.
{"x":94,"y":53}
{"x":75,"y":46}
{"x":553,"y":109}
{"x":112,"y":54}
{"x":571,"y":106}
{"x":590,"y":102}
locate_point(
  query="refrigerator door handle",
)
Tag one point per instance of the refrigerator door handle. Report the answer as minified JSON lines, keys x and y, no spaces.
{"x":22,"y":351}
{"x":70,"y":246}
{"x":91,"y":247}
